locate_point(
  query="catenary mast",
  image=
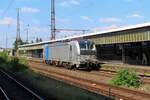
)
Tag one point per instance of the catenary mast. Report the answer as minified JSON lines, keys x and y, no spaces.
{"x":53,"y":29}
{"x":18,"y":26}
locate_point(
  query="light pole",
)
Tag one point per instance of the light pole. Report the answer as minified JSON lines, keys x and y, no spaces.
{"x":27,"y":32}
{"x":7,"y":37}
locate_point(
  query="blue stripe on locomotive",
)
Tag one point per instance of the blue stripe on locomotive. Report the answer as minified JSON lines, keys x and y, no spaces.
{"x":46,"y":52}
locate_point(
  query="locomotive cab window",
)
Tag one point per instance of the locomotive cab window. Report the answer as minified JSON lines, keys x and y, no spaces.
{"x":86,"y":45}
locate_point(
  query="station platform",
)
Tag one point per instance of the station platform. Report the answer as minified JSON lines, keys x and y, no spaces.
{"x":115,"y":66}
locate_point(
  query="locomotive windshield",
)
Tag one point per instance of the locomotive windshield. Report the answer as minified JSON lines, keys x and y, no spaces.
{"x":87,"y":47}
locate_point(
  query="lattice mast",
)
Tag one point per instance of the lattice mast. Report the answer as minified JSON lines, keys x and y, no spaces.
{"x":53,"y":29}
{"x":18,"y":25}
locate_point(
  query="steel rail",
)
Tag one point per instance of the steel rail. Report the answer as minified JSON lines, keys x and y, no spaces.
{"x":4,"y":94}
{"x":35,"y":96}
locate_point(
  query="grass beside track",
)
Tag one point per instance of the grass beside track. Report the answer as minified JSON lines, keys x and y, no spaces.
{"x":51,"y":89}
{"x":57,"y":89}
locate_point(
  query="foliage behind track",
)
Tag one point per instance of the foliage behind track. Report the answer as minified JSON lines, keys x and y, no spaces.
{"x":13,"y":64}
{"x":127,"y":78}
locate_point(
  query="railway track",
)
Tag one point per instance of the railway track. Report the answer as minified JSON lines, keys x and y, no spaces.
{"x":11,"y":89}
{"x":97,"y":87}
{"x":109,"y":73}
{"x":144,"y":78}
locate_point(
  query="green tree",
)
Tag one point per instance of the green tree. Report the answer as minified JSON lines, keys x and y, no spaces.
{"x":17,"y":43}
{"x":32,"y":41}
{"x":40,"y":40}
{"x":37,"y":40}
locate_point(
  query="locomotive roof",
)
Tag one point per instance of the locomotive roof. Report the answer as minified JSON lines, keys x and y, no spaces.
{"x":91,"y":34}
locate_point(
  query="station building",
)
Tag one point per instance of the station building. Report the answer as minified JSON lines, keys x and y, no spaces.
{"x":1,"y":49}
{"x":123,"y":45}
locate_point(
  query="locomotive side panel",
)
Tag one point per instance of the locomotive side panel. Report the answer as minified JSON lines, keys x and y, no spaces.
{"x":59,"y":52}
{"x":75,"y":53}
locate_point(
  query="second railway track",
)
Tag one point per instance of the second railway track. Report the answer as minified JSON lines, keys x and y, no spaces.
{"x":96,"y":87}
{"x":11,"y":89}
{"x":106,"y":73}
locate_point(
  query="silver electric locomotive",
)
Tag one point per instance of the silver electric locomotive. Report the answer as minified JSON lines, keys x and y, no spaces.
{"x":73,"y":54}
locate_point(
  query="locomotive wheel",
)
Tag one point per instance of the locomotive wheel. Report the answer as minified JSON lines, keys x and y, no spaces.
{"x":46,"y":61}
{"x":77,"y":66}
{"x":68,"y":66}
{"x":73,"y":67}
{"x":51,"y":63}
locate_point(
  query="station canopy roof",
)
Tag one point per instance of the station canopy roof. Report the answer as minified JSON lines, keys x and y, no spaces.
{"x":132,"y":27}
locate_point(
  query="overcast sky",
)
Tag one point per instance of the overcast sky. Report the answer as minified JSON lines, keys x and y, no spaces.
{"x":96,"y":15}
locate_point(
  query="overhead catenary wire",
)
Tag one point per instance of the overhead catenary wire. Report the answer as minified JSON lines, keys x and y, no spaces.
{"x":5,"y":11}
